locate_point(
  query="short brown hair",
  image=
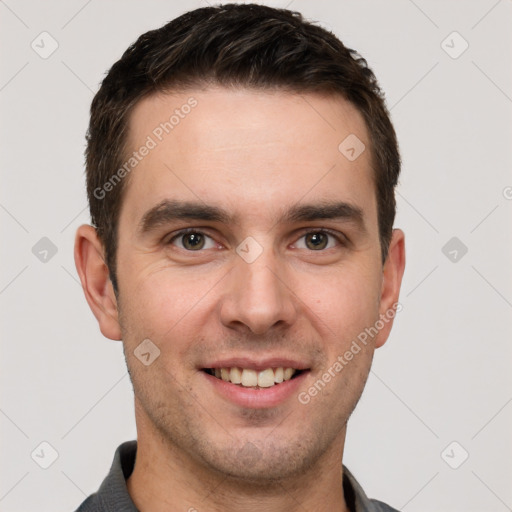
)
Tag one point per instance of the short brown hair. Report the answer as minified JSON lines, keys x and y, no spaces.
{"x":233,"y":45}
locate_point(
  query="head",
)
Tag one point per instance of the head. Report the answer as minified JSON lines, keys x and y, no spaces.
{"x":290,"y":253}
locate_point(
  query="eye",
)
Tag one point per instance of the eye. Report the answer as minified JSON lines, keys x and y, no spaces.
{"x":191,"y":240}
{"x":317,"y":241}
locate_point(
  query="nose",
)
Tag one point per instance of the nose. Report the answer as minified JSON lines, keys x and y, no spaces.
{"x":257,"y":297}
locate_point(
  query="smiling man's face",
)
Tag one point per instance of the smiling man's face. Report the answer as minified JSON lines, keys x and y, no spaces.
{"x":278,"y":271}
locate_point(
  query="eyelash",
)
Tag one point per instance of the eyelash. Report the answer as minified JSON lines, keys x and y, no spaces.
{"x":342,"y":241}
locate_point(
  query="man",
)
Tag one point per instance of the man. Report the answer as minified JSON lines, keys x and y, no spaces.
{"x":241,"y":167}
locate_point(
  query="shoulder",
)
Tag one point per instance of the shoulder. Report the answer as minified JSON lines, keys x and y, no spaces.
{"x":356,"y":498}
{"x":379,"y":506}
{"x":112,"y":496}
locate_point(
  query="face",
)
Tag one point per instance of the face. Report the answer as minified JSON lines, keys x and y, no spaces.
{"x":248,"y":253}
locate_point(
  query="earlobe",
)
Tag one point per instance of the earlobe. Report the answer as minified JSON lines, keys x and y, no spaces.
{"x":94,"y":276}
{"x":391,"y":282}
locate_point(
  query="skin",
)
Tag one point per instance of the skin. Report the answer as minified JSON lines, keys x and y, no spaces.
{"x":255,"y":154}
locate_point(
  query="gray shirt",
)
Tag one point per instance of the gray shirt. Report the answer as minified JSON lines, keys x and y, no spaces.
{"x":112,"y":496}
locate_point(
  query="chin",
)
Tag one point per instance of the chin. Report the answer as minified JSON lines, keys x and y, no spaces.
{"x":264,"y":462}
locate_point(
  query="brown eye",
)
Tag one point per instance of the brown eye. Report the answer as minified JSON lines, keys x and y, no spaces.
{"x":316,"y":241}
{"x":320,"y":240}
{"x":192,"y":241}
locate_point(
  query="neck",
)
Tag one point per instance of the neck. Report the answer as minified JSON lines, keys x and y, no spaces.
{"x":166,"y":479}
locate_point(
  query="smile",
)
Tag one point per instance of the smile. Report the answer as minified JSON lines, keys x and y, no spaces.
{"x":250,"y":378}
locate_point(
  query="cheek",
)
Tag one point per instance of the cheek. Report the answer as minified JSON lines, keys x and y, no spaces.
{"x":163,"y":306}
{"x":345,"y":303}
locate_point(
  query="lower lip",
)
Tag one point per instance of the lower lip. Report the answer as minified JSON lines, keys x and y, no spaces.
{"x":257,"y":398}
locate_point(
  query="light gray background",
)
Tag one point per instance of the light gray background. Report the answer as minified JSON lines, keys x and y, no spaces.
{"x":443,"y":376}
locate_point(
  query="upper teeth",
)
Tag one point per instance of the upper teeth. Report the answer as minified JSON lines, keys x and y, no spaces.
{"x":252,"y":378}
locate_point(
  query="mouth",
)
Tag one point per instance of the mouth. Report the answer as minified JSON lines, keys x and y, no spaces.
{"x":254,"y":379}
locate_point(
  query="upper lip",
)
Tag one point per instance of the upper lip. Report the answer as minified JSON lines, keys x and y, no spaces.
{"x":257,"y":364}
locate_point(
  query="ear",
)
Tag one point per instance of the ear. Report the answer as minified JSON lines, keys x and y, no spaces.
{"x":94,"y":276}
{"x":392,"y":274}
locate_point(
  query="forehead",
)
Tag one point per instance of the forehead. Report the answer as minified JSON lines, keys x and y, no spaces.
{"x":246,"y":149}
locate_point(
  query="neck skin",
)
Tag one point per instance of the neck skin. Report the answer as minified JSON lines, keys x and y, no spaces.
{"x":166,"y":479}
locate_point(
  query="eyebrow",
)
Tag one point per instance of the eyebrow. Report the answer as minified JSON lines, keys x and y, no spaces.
{"x":168,"y":211}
